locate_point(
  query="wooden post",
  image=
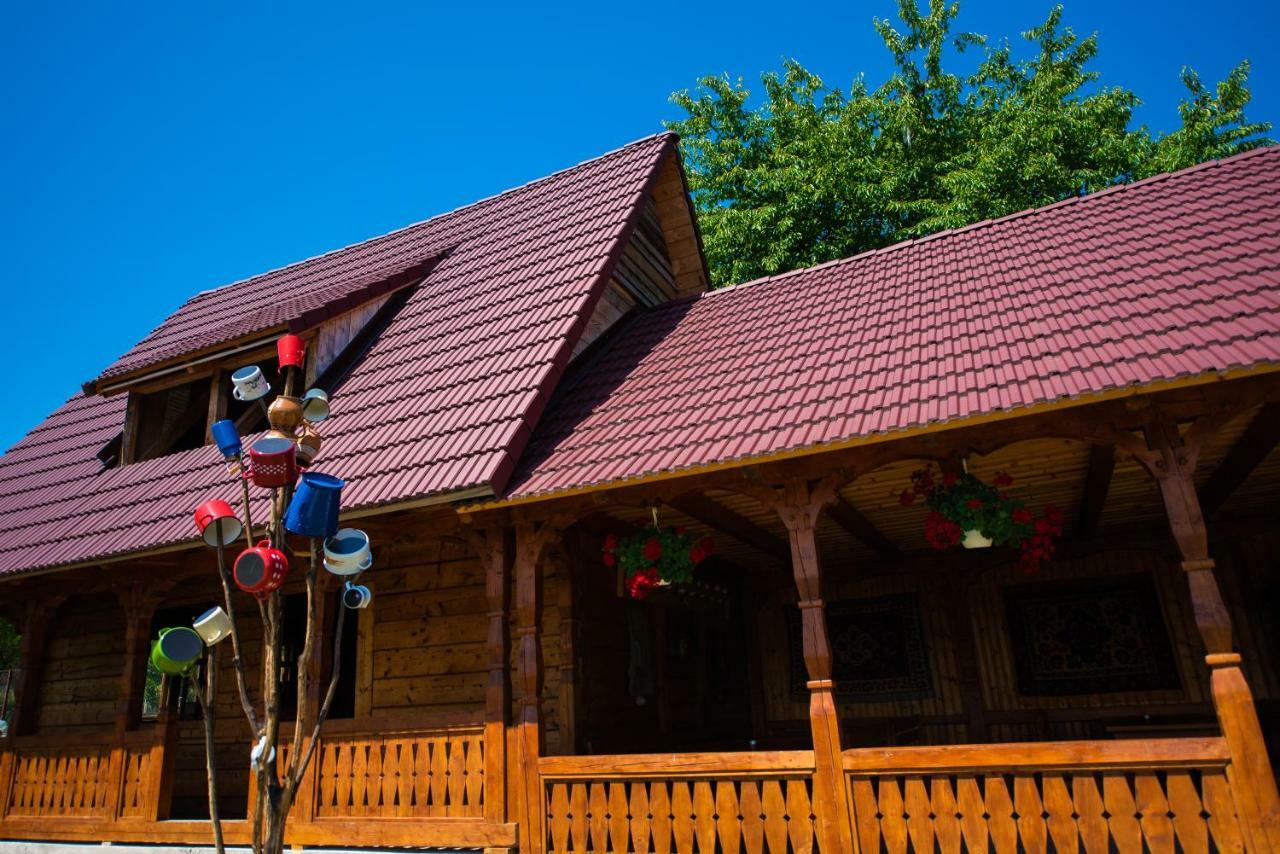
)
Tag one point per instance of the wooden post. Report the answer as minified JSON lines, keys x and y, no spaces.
{"x":494,"y":548}
{"x":39,"y":610}
{"x":566,"y":597}
{"x":531,"y":540}
{"x":1172,"y":462}
{"x":799,"y":506}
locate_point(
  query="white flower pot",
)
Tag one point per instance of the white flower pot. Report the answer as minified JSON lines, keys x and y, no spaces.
{"x":973,"y":539}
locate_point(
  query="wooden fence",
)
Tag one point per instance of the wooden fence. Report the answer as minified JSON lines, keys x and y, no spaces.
{"x":1160,"y":795}
{"x":94,"y":775}
{"x":684,"y":802}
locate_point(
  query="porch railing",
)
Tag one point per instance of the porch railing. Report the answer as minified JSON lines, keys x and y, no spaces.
{"x":683,"y":802}
{"x":390,"y":772}
{"x":93,"y":775}
{"x":1124,"y":796}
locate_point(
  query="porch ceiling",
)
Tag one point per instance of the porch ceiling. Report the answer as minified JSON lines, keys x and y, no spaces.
{"x":1045,"y":471}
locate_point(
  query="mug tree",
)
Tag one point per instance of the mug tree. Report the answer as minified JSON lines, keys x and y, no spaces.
{"x":305,"y":504}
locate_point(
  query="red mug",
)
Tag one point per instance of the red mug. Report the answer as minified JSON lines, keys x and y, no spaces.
{"x":261,"y":569}
{"x":218,"y":523}
{"x":291,"y":350}
{"x":273,"y":462}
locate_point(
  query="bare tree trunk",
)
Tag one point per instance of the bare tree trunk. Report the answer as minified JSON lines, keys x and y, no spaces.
{"x":208,"y":698}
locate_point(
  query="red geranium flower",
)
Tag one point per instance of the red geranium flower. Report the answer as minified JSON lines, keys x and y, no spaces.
{"x":639,"y":585}
{"x":610,"y":559}
{"x":1003,"y":478}
{"x":974,"y":503}
{"x":708,"y":547}
{"x":1022,"y":516}
{"x":652,"y":549}
{"x":907,"y":498}
{"x":950,"y":478}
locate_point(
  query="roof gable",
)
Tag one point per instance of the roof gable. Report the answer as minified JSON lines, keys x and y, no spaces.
{"x":1172,"y":277}
{"x":441,"y":404}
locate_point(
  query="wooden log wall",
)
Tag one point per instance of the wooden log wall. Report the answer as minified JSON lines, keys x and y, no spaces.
{"x":83,"y":661}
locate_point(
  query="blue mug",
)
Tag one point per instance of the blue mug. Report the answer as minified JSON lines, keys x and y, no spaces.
{"x":226,"y":438}
{"x":313,"y":512}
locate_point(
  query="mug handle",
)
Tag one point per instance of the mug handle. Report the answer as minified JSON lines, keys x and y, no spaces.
{"x":235,"y":392}
{"x":367,"y":562}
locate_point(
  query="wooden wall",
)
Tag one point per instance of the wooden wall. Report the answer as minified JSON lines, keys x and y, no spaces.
{"x":83,"y":664}
{"x":1248,"y":569}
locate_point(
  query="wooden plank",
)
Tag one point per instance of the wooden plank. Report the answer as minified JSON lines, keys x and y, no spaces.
{"x":742,"y":529}
{"x":1257,"y":441}
{"x":863,"y":529}
{"x":1043,"y":756}
{"x":1097,"y":483}
{"x":612,"y":767}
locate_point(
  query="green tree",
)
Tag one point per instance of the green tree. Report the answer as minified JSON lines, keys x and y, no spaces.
{"x":813,"y":173}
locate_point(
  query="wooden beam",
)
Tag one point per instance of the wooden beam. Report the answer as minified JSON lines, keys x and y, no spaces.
{"x":1097,"y":483}
{"x":1172,"y":463}
{"x":1258,"y":440}
{"x":738,"y":527}
{"x":863,"y":529}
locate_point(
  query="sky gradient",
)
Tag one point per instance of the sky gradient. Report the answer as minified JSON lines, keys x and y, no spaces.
{"x":153,"y":151}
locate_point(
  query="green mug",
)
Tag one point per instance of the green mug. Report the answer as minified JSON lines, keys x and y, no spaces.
{"x":176,"y":651}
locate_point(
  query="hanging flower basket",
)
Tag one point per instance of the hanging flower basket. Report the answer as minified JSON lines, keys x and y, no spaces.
{"x":655,"y":558}
{"x":970,"y":512}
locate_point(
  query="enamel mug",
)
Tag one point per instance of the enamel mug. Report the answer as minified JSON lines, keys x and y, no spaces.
{"x":315,"y":405}
{"x":313,"y":512}
{"x":213,"y":625}
{"x":218,"y":523}
{"x":291,"y":350}
{"x":308,"y":445}
{"x":273,"y":462}
{"x":249,"y":383}
{"x":261,"y":569}
{"x":176,"y":650}
{"x":226,"y":438}
{"x":356,"y":596}
{"x":347,"y":552}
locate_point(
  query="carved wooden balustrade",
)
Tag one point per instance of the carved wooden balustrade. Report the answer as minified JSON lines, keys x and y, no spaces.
{"x":99,"y":776}
{"x":704,"y":802}
{"x":399,"y":774}
{"x":1161,"y":795}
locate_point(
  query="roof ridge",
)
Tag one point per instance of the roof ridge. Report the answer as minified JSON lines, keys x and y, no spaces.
{"x":1025,"y":212}
{"x":476,"y":203}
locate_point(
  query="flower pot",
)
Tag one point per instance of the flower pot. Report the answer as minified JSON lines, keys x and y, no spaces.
{"x":973,"y":539}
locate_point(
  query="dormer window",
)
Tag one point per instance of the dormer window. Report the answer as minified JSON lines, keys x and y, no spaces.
{"x":176,"y":414}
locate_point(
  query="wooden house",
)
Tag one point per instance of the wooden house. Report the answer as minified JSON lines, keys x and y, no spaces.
{"x":517,"y":380}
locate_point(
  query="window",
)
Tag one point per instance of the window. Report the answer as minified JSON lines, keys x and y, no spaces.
{"x":295,"y":636}
{"x":9,"y":664}
{"x":181,"y":696}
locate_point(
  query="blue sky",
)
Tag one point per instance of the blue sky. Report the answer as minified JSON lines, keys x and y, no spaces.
{"x":152,"y":151}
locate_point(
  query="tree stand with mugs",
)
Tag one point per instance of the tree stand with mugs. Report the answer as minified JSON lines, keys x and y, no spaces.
{"x":304,"y":508}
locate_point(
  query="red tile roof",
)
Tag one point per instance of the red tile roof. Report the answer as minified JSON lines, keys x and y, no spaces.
{"x":443,"y":401}
{"x":1171,"y":277}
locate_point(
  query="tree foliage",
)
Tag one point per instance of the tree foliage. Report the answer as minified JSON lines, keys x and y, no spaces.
{"x":814,"y":173}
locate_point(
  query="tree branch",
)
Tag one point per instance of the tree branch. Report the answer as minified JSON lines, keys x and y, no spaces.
{"x":225,"y":575}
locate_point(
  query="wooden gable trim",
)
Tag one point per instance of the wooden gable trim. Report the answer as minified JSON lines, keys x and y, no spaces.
{"x":680,"y":229}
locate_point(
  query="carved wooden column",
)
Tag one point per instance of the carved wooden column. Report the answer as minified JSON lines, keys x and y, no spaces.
{"x":799,"y":506}
{"x":531,"y":541}
{"x":494,"y":548}
{"x":37,"y":613}
{"x":1172,"y":462}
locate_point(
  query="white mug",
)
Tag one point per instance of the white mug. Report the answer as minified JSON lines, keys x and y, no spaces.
{"x":356,"y":596}
{"x":250,"y":383}
{"x":347,"y":552}
{"x":213,"y":626}
{"x":315,"y":405}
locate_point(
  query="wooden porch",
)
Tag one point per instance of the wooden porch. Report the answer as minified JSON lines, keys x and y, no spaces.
{"x":491,"y":706}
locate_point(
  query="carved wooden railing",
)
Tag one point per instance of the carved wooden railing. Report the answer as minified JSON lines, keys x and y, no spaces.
{"x":399,"y":772}
{"x":679,"y":803}
{"x":1123,"y":796}
{"x":97,"y":775}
